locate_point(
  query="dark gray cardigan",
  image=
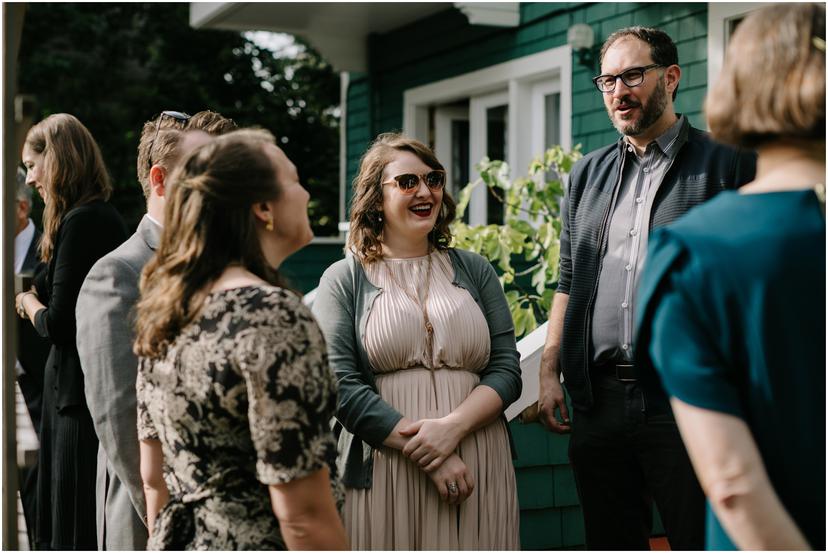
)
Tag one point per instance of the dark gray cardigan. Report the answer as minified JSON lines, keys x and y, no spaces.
{"x":701,"y":169}
{"x":342,"y":305}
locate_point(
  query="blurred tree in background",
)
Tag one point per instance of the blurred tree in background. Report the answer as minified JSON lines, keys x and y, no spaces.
{"x":114,"y":66}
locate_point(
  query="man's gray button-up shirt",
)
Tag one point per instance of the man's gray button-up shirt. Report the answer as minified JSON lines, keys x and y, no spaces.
{"x":626,"y":244}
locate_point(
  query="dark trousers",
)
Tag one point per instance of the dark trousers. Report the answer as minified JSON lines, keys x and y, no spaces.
{"x":623,"y":460}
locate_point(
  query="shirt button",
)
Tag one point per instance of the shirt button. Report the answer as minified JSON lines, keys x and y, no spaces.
{"x":625,"y":347}
{"x":633,"y":232}
{"x":628,"y":267}
{"x":639,"y":200}
{"x":629,"y":148}
{"x":625,"y":305}
{"x":646,"y":170}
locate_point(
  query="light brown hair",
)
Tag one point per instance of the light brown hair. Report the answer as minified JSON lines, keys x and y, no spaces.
{"x":208,"y":225}
{"x":73,"y":171}
{"x":365,"y":238}
{"x":772,"y":84}
{"x":164,"y":144}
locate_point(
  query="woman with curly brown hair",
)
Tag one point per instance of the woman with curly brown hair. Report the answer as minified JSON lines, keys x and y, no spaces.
{"x":234,"y":391}
{"x":423,"y":346}
{"x":64,"y":164}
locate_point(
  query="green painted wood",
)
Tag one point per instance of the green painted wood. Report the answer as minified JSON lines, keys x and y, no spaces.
{"x":540,"y":529}
{"x":566,"y":494}
{"x":303,"y":269}
{"x":572,"y":527}
{"x":536,"y":487}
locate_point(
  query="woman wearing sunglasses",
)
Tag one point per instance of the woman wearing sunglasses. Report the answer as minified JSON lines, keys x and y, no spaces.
{"x":423,"y":346}
{"x":65,"y":166}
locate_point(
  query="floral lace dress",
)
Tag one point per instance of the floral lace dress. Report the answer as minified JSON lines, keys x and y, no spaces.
{"x":241,"y":400}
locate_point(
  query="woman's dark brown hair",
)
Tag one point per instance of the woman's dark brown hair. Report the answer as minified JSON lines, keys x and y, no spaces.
{"x":208,"y":225}
{"x":365,"y":238}
{"x":73,"y":171}
{"x":772,"y":85}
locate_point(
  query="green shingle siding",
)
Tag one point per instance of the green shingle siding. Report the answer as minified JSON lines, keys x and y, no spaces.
{"x":303,"y":269}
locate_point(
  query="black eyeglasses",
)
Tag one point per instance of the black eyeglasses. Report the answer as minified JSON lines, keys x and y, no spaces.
{"x":409,"y":182}
{"x":632,"y":77}
{"x":177,"y":115}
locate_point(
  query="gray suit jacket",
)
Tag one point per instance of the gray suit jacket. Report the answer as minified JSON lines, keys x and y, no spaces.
{"x":105,"y":335}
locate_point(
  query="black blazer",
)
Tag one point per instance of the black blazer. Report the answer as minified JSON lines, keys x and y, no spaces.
{"x":86,"y":233}
{"x":32,"y":349}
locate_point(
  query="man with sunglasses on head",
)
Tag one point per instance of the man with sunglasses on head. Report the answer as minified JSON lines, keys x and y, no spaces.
{"x":625,"y":448}
{"x":105,"y":332}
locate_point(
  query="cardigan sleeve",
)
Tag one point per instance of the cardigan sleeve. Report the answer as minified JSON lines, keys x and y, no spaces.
{"x":502,"y":374}
{"x":565,"y":255}
{"x":360,"y":409}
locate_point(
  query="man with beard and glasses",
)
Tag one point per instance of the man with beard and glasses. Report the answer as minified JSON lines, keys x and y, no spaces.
{"x":625,"y":448}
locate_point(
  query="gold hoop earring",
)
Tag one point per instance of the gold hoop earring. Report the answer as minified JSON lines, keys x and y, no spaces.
{"x":269,"y":225}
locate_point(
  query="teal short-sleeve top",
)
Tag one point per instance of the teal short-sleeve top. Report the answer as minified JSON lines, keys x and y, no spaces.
{"x":732,"y":319}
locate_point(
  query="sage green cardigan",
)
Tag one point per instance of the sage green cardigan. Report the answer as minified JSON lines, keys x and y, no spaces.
{"x":342,"y":304}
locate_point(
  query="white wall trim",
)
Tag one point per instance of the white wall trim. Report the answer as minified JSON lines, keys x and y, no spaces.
{"x":516,"y":80}
{"x":718,"y":14}
{"x":344,"y":84}
{"x":489,"y":79}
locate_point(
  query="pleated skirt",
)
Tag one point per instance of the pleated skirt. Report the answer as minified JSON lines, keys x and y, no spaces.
{"x":403,"y":510}
{"x":67,"y":464}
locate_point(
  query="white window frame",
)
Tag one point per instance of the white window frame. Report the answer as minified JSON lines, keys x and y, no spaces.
{"x":479,"y":145}
{"x":517,"y":79}
{"x":444,"y":117}
{"x":718,"y":17}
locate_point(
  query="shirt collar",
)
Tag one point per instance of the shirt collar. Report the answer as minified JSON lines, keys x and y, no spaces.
{"x":670,"y":140}
{"x":21,"y":245}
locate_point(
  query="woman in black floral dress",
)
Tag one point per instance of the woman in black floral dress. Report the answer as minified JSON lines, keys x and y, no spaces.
{"x":234,"y":390}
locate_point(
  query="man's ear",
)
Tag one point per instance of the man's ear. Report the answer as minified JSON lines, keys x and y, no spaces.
{"x":672,"y":76}
{"x":157,"y":178}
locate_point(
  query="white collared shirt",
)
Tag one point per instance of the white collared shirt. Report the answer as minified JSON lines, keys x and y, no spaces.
{"x":21,"y":245}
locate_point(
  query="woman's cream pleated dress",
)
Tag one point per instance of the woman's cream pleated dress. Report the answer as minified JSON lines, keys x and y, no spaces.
{"x":403,"y":510}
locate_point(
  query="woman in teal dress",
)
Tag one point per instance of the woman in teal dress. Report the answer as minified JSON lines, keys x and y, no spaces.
{"x":732,"y":319}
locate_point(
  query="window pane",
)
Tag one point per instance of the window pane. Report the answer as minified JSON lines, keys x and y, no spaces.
{"x":496,"y":148}
{"x":552,"y":122}
{"x":552,"y":119}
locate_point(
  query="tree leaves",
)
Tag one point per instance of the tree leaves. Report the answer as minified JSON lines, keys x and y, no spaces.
{"x":114,"y":66}
{"x":530,"y":233}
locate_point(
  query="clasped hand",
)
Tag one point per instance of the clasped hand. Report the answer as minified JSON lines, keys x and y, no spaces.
{"x":431,"y":441}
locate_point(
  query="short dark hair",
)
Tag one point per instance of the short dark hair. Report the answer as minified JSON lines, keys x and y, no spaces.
{"x":772,"y":84}
{"x":662,"y":48}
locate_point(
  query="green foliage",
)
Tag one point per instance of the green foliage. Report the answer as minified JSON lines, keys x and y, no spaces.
{"x":114,"y":66}
{"x":529,"y":234}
